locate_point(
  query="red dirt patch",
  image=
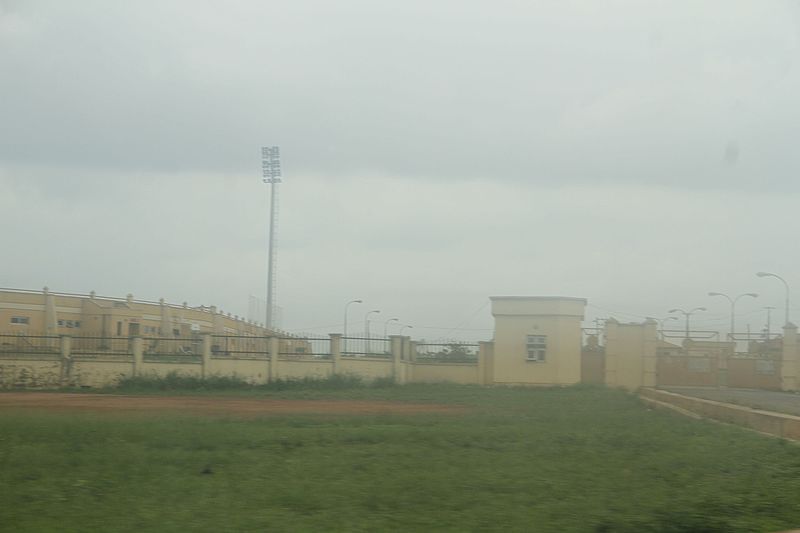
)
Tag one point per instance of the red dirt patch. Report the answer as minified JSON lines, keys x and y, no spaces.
{"x":212,"y":405}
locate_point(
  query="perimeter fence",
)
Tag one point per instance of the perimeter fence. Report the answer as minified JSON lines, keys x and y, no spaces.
{"x":366,"y":347}
{"x":447,"y":352}
{"x":30,"y":344}
{"x":309,"y":347}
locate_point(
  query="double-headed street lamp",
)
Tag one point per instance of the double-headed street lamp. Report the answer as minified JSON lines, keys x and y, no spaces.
{"x":661,"y":322}
{"x":687,"y":314}
{"x":786,"y":286}
{"x":386,"y":326}
{"x":733,"y":307}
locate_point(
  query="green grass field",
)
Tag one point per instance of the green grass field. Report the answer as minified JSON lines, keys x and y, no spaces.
{"x":571,"y":459}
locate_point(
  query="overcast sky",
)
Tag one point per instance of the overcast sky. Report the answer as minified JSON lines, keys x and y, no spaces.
{"x":435,"y":153}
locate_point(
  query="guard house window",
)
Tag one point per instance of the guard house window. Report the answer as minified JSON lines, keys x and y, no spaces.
{"x":537,"y":347}
{"x":20,"y":320}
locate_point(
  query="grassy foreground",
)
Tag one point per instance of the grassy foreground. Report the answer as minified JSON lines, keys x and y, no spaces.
{"x":573,"y":459}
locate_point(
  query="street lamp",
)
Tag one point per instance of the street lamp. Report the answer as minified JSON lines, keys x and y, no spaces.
{"x":786,"y":285}
{"x":405,"y":328}
{"x":733,"y":307}
{"x":344,"y":347}
{"x":687,"y":314}
{"x":661,"y":322}
{"x":769,"y":319}
{"x":386,"y":326}
{"x":366,"y":328}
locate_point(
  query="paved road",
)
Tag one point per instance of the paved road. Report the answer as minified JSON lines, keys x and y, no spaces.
{"x":782,"y":402}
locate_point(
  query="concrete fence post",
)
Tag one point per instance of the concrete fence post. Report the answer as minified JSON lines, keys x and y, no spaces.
{"x":649,"y":353}
{"x":396,"y":345}
{"x":611,"y":333}
{"x":137,"y":350}
{"x":485,"y":362}
{"x":336,"y":352}
{"x":408,"y":373}
{"x":789,"y":358}
{"x":206,"y":368}
{"x":274,"y":347}
{"x":412,"y":350}
{"x":66,"y":359}
{"x":723,"y":357}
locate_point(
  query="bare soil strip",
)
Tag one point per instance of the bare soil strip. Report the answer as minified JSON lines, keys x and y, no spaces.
{"x":213,"y":405}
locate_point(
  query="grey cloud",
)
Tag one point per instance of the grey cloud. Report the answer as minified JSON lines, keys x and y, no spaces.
{"x":637,"y":154}
{"x":545,"y":92}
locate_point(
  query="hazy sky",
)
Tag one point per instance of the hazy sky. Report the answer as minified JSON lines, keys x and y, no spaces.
{"x":638,"y":154}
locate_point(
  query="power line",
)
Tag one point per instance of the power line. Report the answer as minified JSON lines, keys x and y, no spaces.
{"x":467,"y":321}
{"x":615,"y":312}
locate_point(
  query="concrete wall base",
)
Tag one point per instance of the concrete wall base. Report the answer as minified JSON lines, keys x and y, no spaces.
{"x":765,"y":422}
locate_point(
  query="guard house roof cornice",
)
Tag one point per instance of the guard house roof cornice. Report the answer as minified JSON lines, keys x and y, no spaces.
{"x":540,"y":298}
{"x":537,"y":306}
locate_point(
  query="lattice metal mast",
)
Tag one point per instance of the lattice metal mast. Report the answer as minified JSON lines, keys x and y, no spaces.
{"x":271,"y":173}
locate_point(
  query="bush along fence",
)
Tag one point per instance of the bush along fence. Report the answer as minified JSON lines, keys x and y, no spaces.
{"x":30,"y":361}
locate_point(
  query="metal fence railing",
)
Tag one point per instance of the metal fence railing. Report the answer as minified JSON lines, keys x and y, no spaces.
{"x":101,"y":345}
{"x":592,"y":337}
{"x":304,"y":347}
{"x":366,"y":347}
{"x":221,"y":346}
{"x":239,"y":346}
{"x":30,"y":344}
{"x":173,"y":349}
{"x":177,"y":346}
{"x":288,"y":347}
{"x":450,"y":352}
{"x":695,"y":334}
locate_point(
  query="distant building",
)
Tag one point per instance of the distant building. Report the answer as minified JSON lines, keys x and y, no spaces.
{"x":48,"y":313}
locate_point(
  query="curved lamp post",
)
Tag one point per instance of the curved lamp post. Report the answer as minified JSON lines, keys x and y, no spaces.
{"x":687,"y":314}
{"x":786,"y":286}
{"x":386,"y":326}
{"x":344,"y":347}
{"x":405,"y":328}
{"x":661,"y":322}
{"x":366,"y":328}
{"x":733,"y":307}
{"x":769,"y":319}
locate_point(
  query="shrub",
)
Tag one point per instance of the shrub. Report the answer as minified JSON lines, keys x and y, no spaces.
{"x":178,"y":382}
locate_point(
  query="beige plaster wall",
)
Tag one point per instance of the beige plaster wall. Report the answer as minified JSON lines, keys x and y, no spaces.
{"x":251,"y":370}
{"x":299,"y":369}
{"x":162,"y":369}
{"x":365,"y":367}
{"x":557,"y":318}
{"x":631,"y":354}
{"x":464,"y":373}
{"x":29,"y":305}
{"x":98,"y":373}
{"x":30,"y":373}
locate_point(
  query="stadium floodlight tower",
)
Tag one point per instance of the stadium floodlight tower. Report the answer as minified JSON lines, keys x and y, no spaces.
{"x":271,"y":173}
